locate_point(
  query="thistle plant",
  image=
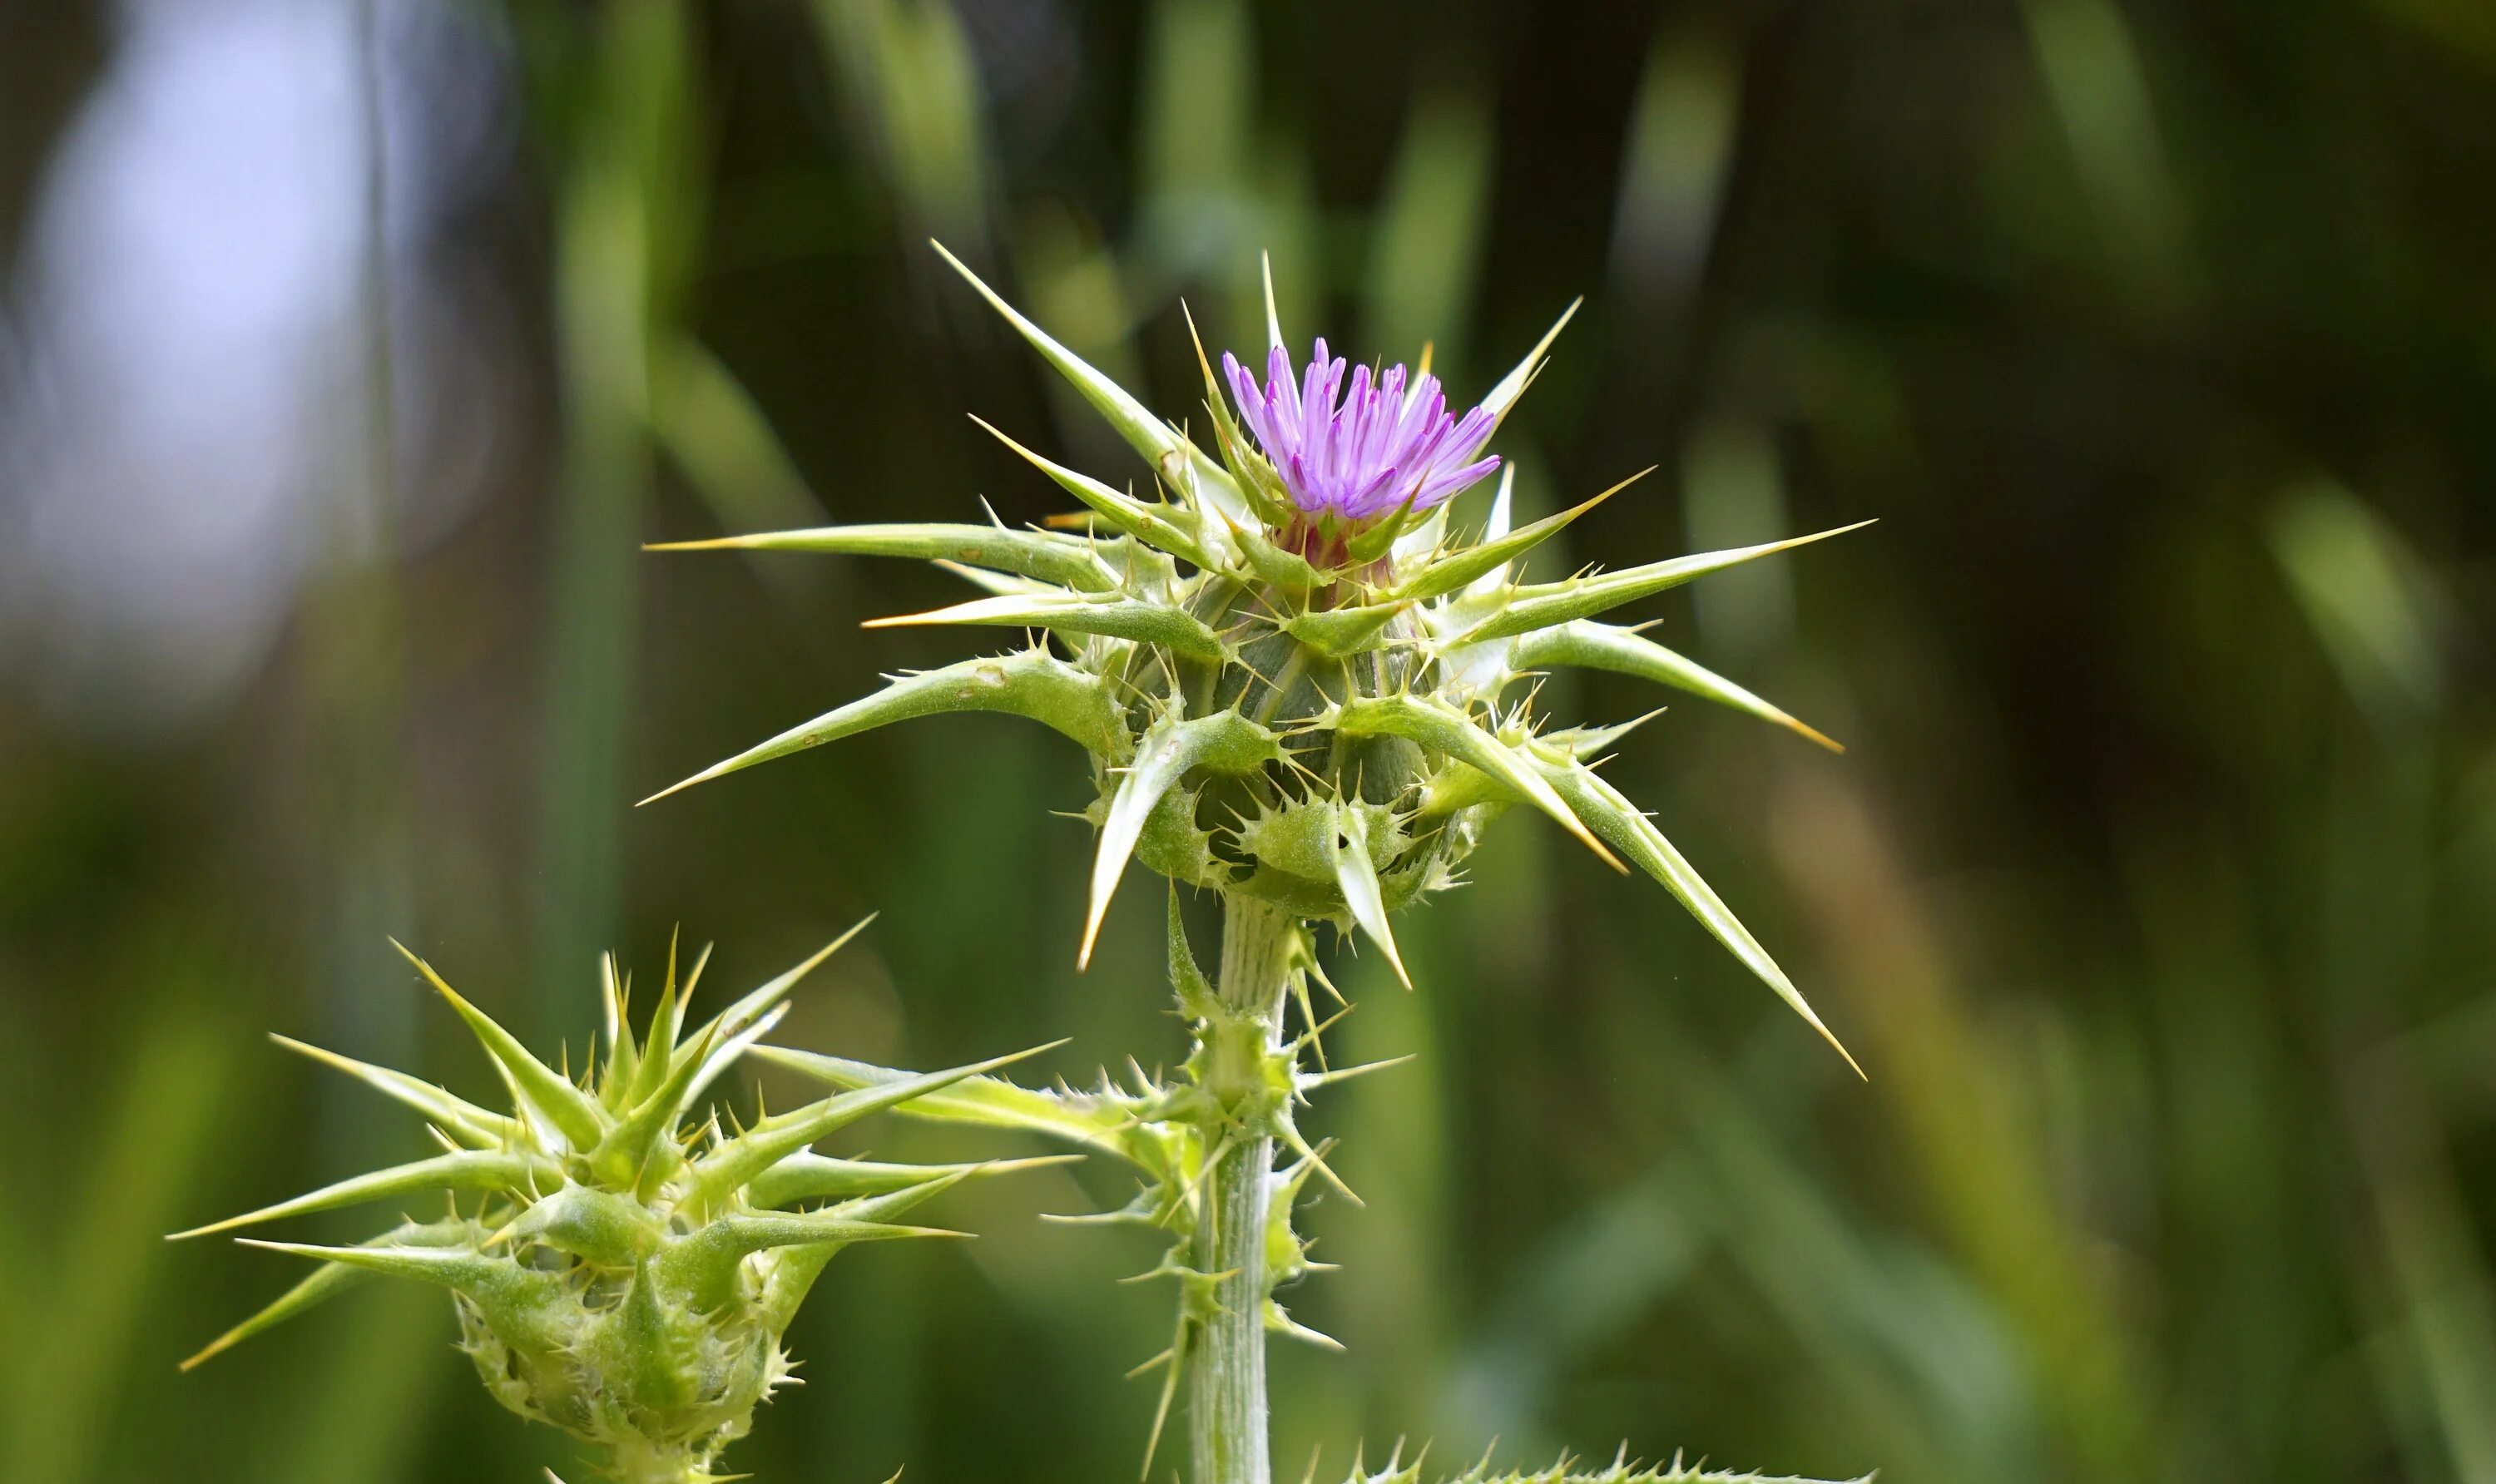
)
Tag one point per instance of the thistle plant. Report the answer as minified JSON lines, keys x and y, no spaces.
{"x":1308,"y":689}
{"x":621,"y":1266}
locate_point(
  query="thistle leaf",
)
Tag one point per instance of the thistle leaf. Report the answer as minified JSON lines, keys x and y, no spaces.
{"x":1336,"y":633}
{"x":1149,"y":623}
{"x":1161,"y":445}
{"x":1067,"y":561}
{"x":1377,"y":540}
{"x":1195,"y":992}
{"x":725,"y":1055}
{"x":1126,"y":513}
{"x":1592,"y":646}
{"x":1357,"y":879}
{"x":1226,"y":743}
{"x":1460,"y":568}
{"x":719,"y":1173}
{"x":1546,"y":603}
{"x":1250,"y":473}
{"x":704,"y":1267}
{"x":1273,"y":320}
{"x":1620,"y":822}
{"x":572,"y":1112}
{"x":468,"y":1170}
{"x":1094,"y":1122}
{"x":464,"y":1121}
{"x":327,"y":1281}
{"x":1280,"y":1322}
{"x":658,"y":1058}
{"x":1434,"y":724}
{"x":1034,"y":685}
{"x":599,"y":1226}
{"x":747,"y":1014}
{"x":623,"y":1055}
{"x":634,"y":1142}
{"x":523,"y":1303}
{"x":809,"y":1176}
{"x":1503,"y":395}
{"x":1271,"y":563}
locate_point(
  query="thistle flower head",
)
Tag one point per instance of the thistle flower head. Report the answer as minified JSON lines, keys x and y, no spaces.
{"x":620,"y":1267}
{"x":1301,"y":679}
{"x":1362,"y":450}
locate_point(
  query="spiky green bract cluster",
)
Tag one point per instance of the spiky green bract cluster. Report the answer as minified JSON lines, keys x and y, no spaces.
{"x":1239,"y":1089}
{"x":1622,"y":1469}
{"x":1318,"y":714}
{"x":628,"y":1267}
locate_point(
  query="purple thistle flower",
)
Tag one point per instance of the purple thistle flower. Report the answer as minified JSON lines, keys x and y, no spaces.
{"x":1363,"y":450}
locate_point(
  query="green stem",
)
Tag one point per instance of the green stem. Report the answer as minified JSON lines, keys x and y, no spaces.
{"x":1227,"y":1378}
{"x":658,"y":1466}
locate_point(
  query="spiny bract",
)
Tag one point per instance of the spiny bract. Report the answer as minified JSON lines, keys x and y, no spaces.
{"x":629,"y":1269}
{"x":1300,"y":684}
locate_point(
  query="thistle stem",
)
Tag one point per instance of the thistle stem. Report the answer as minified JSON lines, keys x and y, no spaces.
{"x":1226,"y":1407}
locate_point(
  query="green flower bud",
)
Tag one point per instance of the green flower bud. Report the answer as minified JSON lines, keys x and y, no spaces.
{"x":630,"y":1269}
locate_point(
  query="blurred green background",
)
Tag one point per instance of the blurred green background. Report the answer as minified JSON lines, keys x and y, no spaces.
{"x":348,"y":354}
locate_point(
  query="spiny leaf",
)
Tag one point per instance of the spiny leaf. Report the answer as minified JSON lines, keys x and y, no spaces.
{"x":467,"y":1170}
{"x":1543,"y":604}
{"x":599,"y":1226}
{"x":1146,"y":524}
{"x":1357,"y":879}
{"x":1151,"y":623}
{"x":1280,"y":1322}
{"x":748,"y":1012}
{"x":327,"y":1281}
{"x":1436,"y":725}
{"x":572,"y":1111}
{"x":623,"y":1056}
{"x":519,"y":1302}
{"x":667,"y":1023}
{"x":1600,"y":646}
{"x":1459,"y":569}
{"x":704,"y":1266}
{"x":1194,"y":991}
{"x":463,"y":1120}
{"x":1069,"y":561}
{"x":1273,"y":320}
{"x":1271,"y":563}
{"x":1336,"y":633}
{"x":724,"y":1055}
{"x":997,"y":584}
{"x":1502,"y":397}
{"x":1226,"y":743}
{"x":621,"y":1157}
{"x":1160,"y":444}
{"x":1086,"y":1119}
{"x":1034,"y":685}
{"x":731,"y":1165}
{"x":1253,"y":476}
{"x":1368,"y":545}
{"x":1619,"y":822}
{"x":809,"y":1176}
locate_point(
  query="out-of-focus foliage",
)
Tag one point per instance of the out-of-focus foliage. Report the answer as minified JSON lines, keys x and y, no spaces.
{"x":2157,"y":889}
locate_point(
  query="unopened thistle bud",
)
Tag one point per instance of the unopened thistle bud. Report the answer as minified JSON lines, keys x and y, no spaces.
{"x":621,"y":1267}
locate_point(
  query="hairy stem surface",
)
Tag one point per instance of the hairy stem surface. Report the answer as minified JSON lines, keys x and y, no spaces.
{"x":1227,"y":1400}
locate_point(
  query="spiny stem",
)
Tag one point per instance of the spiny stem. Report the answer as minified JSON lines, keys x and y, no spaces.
{"x":1227,"y":1394}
